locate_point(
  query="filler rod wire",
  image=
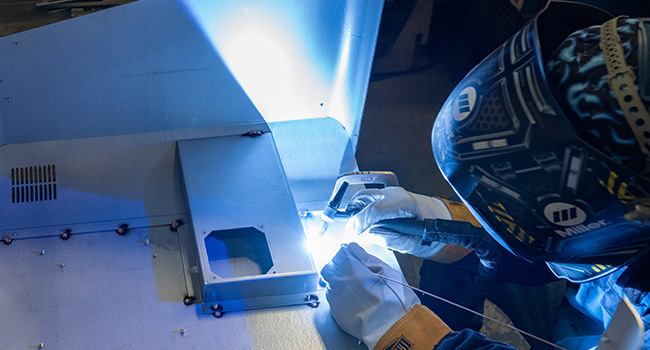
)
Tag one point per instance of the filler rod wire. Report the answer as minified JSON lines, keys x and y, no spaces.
{"x":471,"y":311}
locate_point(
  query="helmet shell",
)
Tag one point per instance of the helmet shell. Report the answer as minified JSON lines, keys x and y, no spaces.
{"x":509,"y":151}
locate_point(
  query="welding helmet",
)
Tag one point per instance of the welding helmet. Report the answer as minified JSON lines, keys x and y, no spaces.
{"x":555,"y":165}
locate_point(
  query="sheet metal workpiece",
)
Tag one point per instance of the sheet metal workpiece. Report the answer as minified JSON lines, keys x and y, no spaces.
{"x":246,"y":232}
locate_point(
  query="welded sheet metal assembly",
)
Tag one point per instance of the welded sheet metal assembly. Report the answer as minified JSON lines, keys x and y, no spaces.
{"x":108,"y":101}
{"x":249,"y":240}
{"x":102,"y":290}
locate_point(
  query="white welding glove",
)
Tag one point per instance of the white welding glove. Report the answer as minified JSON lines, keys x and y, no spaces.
{"x":363,"y":304}
{"x":391,"y":203}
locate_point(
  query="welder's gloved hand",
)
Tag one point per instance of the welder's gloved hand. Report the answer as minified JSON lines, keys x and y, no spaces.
{"x":375,"y":310}
{"x":394,"y":202}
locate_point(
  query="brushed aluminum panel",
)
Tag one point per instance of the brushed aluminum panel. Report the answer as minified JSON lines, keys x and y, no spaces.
{"x":239,"y":182}
{"x":107,"y":296}
{"x":156,"y":65}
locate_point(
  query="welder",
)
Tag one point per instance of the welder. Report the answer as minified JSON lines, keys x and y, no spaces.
{"x":547,"y":144}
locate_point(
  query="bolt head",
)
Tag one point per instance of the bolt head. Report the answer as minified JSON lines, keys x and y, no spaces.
{"x":65,"y":234}
{"x":122,"y":229}
{"x":175,"y":225}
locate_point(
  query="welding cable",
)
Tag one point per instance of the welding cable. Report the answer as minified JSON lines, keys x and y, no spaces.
{"x":471,"y":311}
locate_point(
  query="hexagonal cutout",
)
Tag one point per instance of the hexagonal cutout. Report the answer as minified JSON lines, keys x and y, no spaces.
{"x":238,"y":252}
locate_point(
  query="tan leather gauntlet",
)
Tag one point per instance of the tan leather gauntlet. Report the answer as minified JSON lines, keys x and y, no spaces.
{"x":420,"y":328}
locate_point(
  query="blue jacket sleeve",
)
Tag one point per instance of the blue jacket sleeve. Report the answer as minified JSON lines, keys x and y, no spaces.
{"x":468,"y":339}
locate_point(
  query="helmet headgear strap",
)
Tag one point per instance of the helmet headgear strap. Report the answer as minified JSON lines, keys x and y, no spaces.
{"x":644,"y":59}
{"x":621,"y":80}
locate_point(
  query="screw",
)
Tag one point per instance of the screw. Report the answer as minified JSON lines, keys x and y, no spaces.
{"x":175,"y":225}
{"x":65,"y":234}
{"x":154,"y":255}
{"x":8,"y":98}
{"x":145,"y":242}
{"x":122,"y":229}
{"x":61,"y":265}
{"x":40,"y":252}
{"x":40,"y":345}
{"x":182,"y":330}
{"x":254,"y":133}
{"x":17,"y":43}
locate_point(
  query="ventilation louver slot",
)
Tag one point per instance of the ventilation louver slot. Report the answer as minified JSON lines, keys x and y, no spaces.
{"x":33,"y":184}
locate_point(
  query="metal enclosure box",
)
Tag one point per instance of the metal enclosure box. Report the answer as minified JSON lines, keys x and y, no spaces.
{"x":244,"y":223}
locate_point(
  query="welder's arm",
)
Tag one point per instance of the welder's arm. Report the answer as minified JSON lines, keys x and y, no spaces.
{"x":376,"y":205}
{"x":387,"y":315}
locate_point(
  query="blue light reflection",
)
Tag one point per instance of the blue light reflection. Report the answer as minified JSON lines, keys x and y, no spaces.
{"x":294,"y":58}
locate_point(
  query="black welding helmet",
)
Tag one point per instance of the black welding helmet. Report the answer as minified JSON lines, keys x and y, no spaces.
{"x":551,"y":153}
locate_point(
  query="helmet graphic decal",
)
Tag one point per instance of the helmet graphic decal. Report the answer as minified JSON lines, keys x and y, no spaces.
{"x":564,"y":214}
{"x":465,"y":103}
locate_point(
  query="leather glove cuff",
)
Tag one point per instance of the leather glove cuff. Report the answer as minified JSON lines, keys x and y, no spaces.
{"x":420,"y":328}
